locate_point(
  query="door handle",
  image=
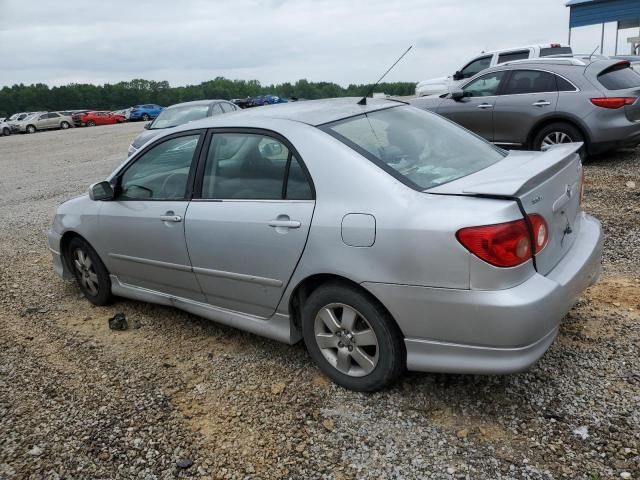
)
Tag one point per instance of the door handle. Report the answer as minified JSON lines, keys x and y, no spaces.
{"x":541,"y":103}
{"x":485,"y":105}
{"x":170,"y":217}
{"x":284,"y":224}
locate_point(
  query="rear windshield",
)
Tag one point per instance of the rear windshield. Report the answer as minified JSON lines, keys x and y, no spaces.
{"x":545,"y":52}
{"x":419,"y":148}
{"x":619,"y":77}
{"x":172,"y":117}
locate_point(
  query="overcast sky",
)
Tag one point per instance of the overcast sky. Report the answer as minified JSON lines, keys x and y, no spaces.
{"x":189,"y":41}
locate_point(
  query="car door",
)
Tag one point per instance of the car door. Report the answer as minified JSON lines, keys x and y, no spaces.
{"x":53,"y":120}
{"x":142,"y":229}
{"x":474,"y":111}
{"x":41,"y":121}
{"x":247,"y":225}
{"x":528,"y":96}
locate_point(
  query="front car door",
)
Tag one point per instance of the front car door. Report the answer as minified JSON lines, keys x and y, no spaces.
{"x":475,"y":110}
{"x":142,"y":229}
{"x":528,"y":96}
{"x":247,"y":225}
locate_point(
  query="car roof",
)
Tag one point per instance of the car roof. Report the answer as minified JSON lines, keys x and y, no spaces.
{"x":557,"y":61}
{"x":196,"y":102}
{"x":524,"y":47}
{"x":317,"y":112}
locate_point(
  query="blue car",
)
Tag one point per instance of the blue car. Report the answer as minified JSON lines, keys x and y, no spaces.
{"x":145,"y":112}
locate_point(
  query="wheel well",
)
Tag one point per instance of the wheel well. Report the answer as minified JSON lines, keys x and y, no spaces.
{"x":64,"y":246}
{"x":307,"y":286}
{"x":549,"y":121}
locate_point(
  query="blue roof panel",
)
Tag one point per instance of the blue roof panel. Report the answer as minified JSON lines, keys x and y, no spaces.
{"x":592,"y":12}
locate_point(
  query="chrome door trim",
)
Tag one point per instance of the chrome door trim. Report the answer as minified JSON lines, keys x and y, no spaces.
{"x":267,"y":282}
{"x":155,"y":263}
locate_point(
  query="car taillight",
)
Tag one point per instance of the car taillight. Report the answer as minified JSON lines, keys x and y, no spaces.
{"x":613,"y":102}
{"x":505,"y":244}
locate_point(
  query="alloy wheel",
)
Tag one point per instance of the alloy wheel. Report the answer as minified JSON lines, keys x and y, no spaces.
{"x":555,"y":138}
{"x":86,"y":272}
{"x":346,"y":339}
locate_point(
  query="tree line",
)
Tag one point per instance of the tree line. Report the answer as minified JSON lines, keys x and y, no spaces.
{"x":40,"y":97}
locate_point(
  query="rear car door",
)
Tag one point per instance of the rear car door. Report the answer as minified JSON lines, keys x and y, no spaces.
{"x":528,"y":96}
{"x":248,"y":222}
{"x":475,"y":110}
{"x":142,"y":229}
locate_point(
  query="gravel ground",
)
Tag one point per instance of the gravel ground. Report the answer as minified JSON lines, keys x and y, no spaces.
{"x":181,"y":397}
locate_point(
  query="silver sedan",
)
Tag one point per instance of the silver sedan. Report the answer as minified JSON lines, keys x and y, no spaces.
{"x":382,"y":235}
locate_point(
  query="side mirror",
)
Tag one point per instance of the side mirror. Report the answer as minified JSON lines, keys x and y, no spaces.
{"x":457,"y":94}
{"x":147,"y":125}
{"x":458,"y":75}
{"x":101,"y":191}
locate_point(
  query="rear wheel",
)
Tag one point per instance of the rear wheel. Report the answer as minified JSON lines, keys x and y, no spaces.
{"x":145,"y":117}
{"x":89,"y":271}
{"x":91,"y":123}
{"x":352,"y":338}
{"x":31,"y":129}
{"x":6,"y":131}
{"x":557,"y":133}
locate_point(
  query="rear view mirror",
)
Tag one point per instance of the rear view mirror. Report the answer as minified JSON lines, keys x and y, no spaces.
{"x":147,"y":125}
{"x":458,"y":75}
{"x":101,"y":191}
{"x":457,"y":94}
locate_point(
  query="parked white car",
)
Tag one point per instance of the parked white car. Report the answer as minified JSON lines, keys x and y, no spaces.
{"x":436,"y":86}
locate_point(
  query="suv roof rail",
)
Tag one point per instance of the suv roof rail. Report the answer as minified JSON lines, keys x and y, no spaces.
{"x":552,"y":60}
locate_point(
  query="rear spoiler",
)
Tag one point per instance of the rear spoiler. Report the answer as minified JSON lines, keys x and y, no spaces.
{"x":520,"y":171}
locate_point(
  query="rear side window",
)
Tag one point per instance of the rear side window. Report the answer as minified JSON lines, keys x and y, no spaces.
{"x":545,"y":52}
{"x":564,"y":85}
{"x":529,"y":81}
{"x":511,"y":56}
{"x":619,"y":77}
{"x":418,"y":148}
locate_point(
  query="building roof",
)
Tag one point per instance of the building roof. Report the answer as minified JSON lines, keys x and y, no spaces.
{"x":593,"y":12}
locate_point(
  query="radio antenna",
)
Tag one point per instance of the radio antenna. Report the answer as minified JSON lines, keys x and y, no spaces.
{"x":363,"y":100}
{"x":594,"y":51}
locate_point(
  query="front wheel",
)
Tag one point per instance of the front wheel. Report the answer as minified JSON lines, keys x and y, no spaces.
{"x":557,"y":133}
{"x":145,"y":117}
{"x":89,"y":271}
{"x":91,"y":123}
{"x":353,"y":340}
{"x":31,"y":129}
{"x":6,"y":131}
{"x":64,"y":125}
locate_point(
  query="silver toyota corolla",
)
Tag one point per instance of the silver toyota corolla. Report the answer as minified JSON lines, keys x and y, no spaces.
{"x":384,"y":236}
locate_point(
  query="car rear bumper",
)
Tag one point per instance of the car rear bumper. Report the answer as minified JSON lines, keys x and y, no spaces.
{"x":492,"y":331}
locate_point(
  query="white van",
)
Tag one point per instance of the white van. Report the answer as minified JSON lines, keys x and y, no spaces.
{"x":489,"y":59}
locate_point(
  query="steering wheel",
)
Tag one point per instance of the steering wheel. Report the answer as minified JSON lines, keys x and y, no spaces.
{"x":173,"y":185}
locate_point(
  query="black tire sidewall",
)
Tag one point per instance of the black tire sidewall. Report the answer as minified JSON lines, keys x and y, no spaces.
{"x":391,"y":351}
{"x":563,"y":127}
{"x":104,"y":295}
{"x":6,"y":132}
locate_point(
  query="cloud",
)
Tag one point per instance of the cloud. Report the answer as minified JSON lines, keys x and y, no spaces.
{"x":191,"y":41}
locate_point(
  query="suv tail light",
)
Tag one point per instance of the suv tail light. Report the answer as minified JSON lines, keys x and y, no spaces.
{"x":506,"y":244}
{"x":613,"y":102}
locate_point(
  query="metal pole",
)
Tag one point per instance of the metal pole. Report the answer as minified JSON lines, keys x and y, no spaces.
{"x":617,"y":32}
{"x":569,"y":43}
{"x":602,"y":40}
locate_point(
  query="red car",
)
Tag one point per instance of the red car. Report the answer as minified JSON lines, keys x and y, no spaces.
{"x":91,"y":119}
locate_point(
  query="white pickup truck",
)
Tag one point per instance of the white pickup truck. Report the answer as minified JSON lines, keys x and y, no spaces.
{"x":488,"y":59}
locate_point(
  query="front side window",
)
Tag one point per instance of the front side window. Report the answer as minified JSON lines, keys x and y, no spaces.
{"x":530,"y":81}
{"x":162,"y":172}
{"x":252,"y":167}
{"x":619,"y":77}
{"x":476,"y":66}
{"x":511,"y":56}
{"x":485,"y":86}
{"x":172,"y":117}
{"x":421,"y":149}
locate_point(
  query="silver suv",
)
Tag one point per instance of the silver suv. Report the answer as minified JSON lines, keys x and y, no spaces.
{"x":534,"y":104}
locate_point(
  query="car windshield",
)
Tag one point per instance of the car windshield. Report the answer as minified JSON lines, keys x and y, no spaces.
{"x":172,"y":117}
{"x":419,"y":148}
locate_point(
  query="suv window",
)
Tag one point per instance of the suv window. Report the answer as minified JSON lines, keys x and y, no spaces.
{"x":252,"y":167}
{"x":529,"y":81}
{"x":619,"y":77}
{"x":545,"y":52}
{"x":160,"y":173}
{"x":476,"y":66}
{"x":511,"y":56}
{"x":485,"y":86}
{"x":564,"y":85}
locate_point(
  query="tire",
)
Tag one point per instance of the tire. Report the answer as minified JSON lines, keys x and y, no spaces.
{"x":91,"y":123}
{"x":64,"y":125}
{"x":372,"y":339}
{"x":145,"y":117}
{"x":31,"y":129}
{"x":6,"y":131}
{"x":558,"y":132}
{"x":89,"y":271}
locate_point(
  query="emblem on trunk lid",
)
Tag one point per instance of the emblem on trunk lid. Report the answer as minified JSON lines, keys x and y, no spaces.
{"x":535,"y":200}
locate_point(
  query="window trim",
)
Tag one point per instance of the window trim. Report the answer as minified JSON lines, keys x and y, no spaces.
{"x":196,"y":193}
{"x":117,"y":179}
{"x":490,"y":57}
{"x":509,"y":72}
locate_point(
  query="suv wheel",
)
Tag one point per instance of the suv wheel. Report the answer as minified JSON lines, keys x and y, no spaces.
{"x":556,"y":133}
{"x":91,"y":274}
{"x":352,"y":338}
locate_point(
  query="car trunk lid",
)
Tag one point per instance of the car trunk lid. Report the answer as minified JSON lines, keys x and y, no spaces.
{"x":545,"y":183}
